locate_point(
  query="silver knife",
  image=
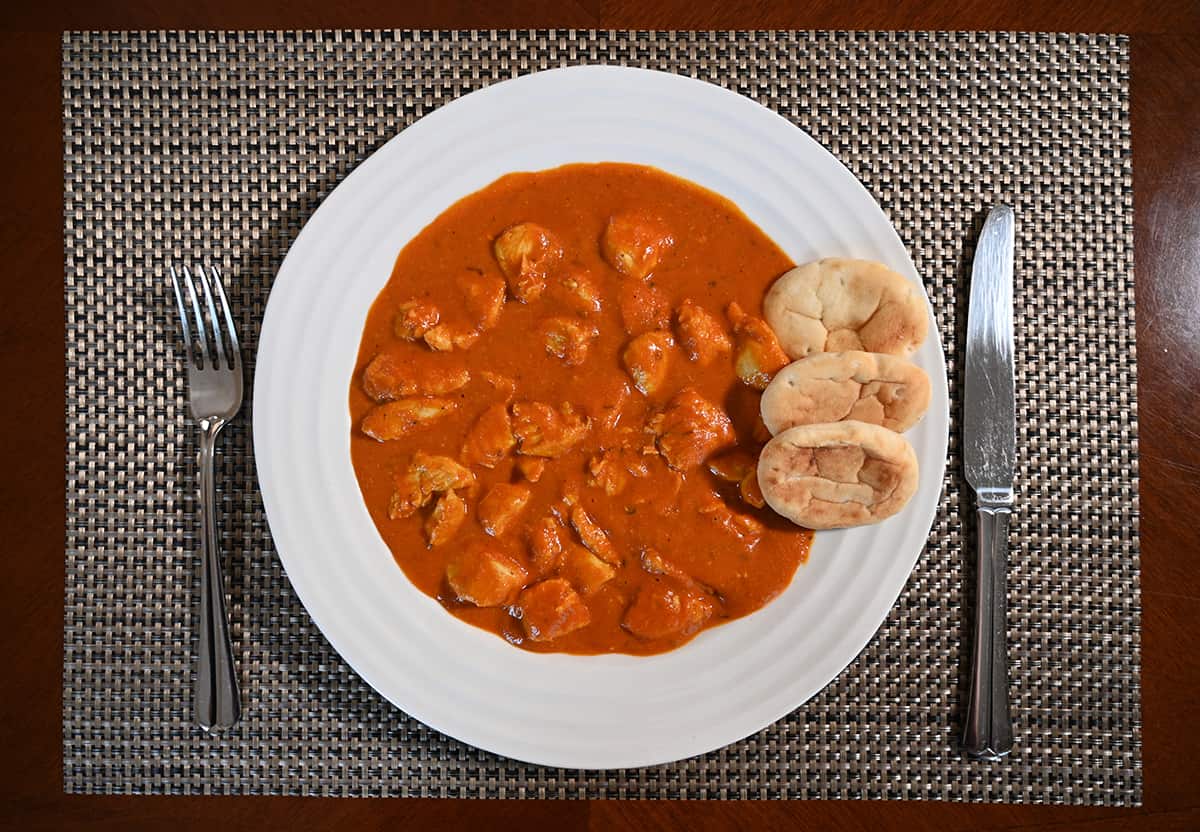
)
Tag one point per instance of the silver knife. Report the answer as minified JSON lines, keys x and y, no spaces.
{"x":989,"y":455}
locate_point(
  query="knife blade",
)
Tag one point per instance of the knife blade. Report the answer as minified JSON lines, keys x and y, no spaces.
{"x":989,"y":408}
{"x":989,"y":463}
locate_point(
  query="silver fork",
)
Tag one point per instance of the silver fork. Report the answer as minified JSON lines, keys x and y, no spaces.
{"x":214,"y":397}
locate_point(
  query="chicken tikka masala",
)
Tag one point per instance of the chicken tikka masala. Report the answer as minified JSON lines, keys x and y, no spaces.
{"x":555,"y":411}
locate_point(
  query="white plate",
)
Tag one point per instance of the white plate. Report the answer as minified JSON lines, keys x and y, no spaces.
{"x":572,"y":711}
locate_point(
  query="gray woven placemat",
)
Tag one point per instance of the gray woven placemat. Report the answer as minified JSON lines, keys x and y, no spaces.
{"x":225,"y":143}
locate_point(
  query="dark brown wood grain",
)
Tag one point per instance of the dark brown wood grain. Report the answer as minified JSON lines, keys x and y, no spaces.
{"x":1165,"y":109}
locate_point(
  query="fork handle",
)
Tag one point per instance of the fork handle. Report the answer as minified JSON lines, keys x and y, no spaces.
{"x":988,"y":732}
{"x":218,"y":705}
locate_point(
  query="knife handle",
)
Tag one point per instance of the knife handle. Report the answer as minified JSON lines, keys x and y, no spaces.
{"x":988,"y":732}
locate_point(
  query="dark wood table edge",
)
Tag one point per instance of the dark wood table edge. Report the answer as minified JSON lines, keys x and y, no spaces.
{"x":1165,"y":76}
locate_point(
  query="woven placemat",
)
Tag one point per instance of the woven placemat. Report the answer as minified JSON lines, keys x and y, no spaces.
{"x":180,"y":145}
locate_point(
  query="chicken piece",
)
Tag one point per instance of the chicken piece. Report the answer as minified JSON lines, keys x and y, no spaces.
{"x":745,"y":528}
{"x":586,"y":572}
{"x":758,"y":356}
{"x":634,"y":243}
{"x":701,"y":334}
{"x":551,"y":609}
{"x":733,"y":466}
{"x":644,"y":307}
{"x":611,"y":469}
{"x":607,"y":473}
{"x":502,"y":384}
{"x":742,"y":468}
{"x":751,"y":492}
{"x":689,"y":429}
{"x":440,"y":338}
{"x":386,"y":377}
{"x":485,"y":576}
{"x":502,"y":505}
{"x":667,"y":608}
{"x":647,"y":360}
{"x":568,"y":339}
{"x":490,"y":438}
{"x":427,"y":475}
{"x":439,"y":473}
{"x":593,"y":537}
{"x":531,"y":467}
{"x":546,"y":545}
{"x":653,"y":562}
{"x":446,"y":337}
{"x":400,"y":418}
{"x":527,"y":254}
{"x":659,"y":493}
{"x":484,"y":298}
{"x":405,"y":501}
{"x":444,"y":521}
{"x":414,"y":318}
{"x":543,"y":431}
{"x":578,"y":291}
{"x":612,"y":407}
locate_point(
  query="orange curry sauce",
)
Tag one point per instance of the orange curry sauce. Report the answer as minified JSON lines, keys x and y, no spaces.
{"x":680,"y":549}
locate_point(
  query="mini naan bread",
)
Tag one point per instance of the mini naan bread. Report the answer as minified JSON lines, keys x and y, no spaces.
{"x":836,"y":386}
{"x":837,"y":474}
{"x":839,"y":304}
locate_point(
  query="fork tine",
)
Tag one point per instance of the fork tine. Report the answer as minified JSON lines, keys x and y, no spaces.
{"x":183,"y":316}
{"x":201,"y":335}
{"x":206,"y":290}
{"x":215,"y":275}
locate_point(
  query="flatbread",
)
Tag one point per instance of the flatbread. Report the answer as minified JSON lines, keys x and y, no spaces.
{"x":837,"y":474}
{"x":838,"y":304}
{"x":853,"y":385}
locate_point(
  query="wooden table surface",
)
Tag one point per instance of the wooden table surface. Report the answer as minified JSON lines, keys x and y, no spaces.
{"x":1165,"y":107}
